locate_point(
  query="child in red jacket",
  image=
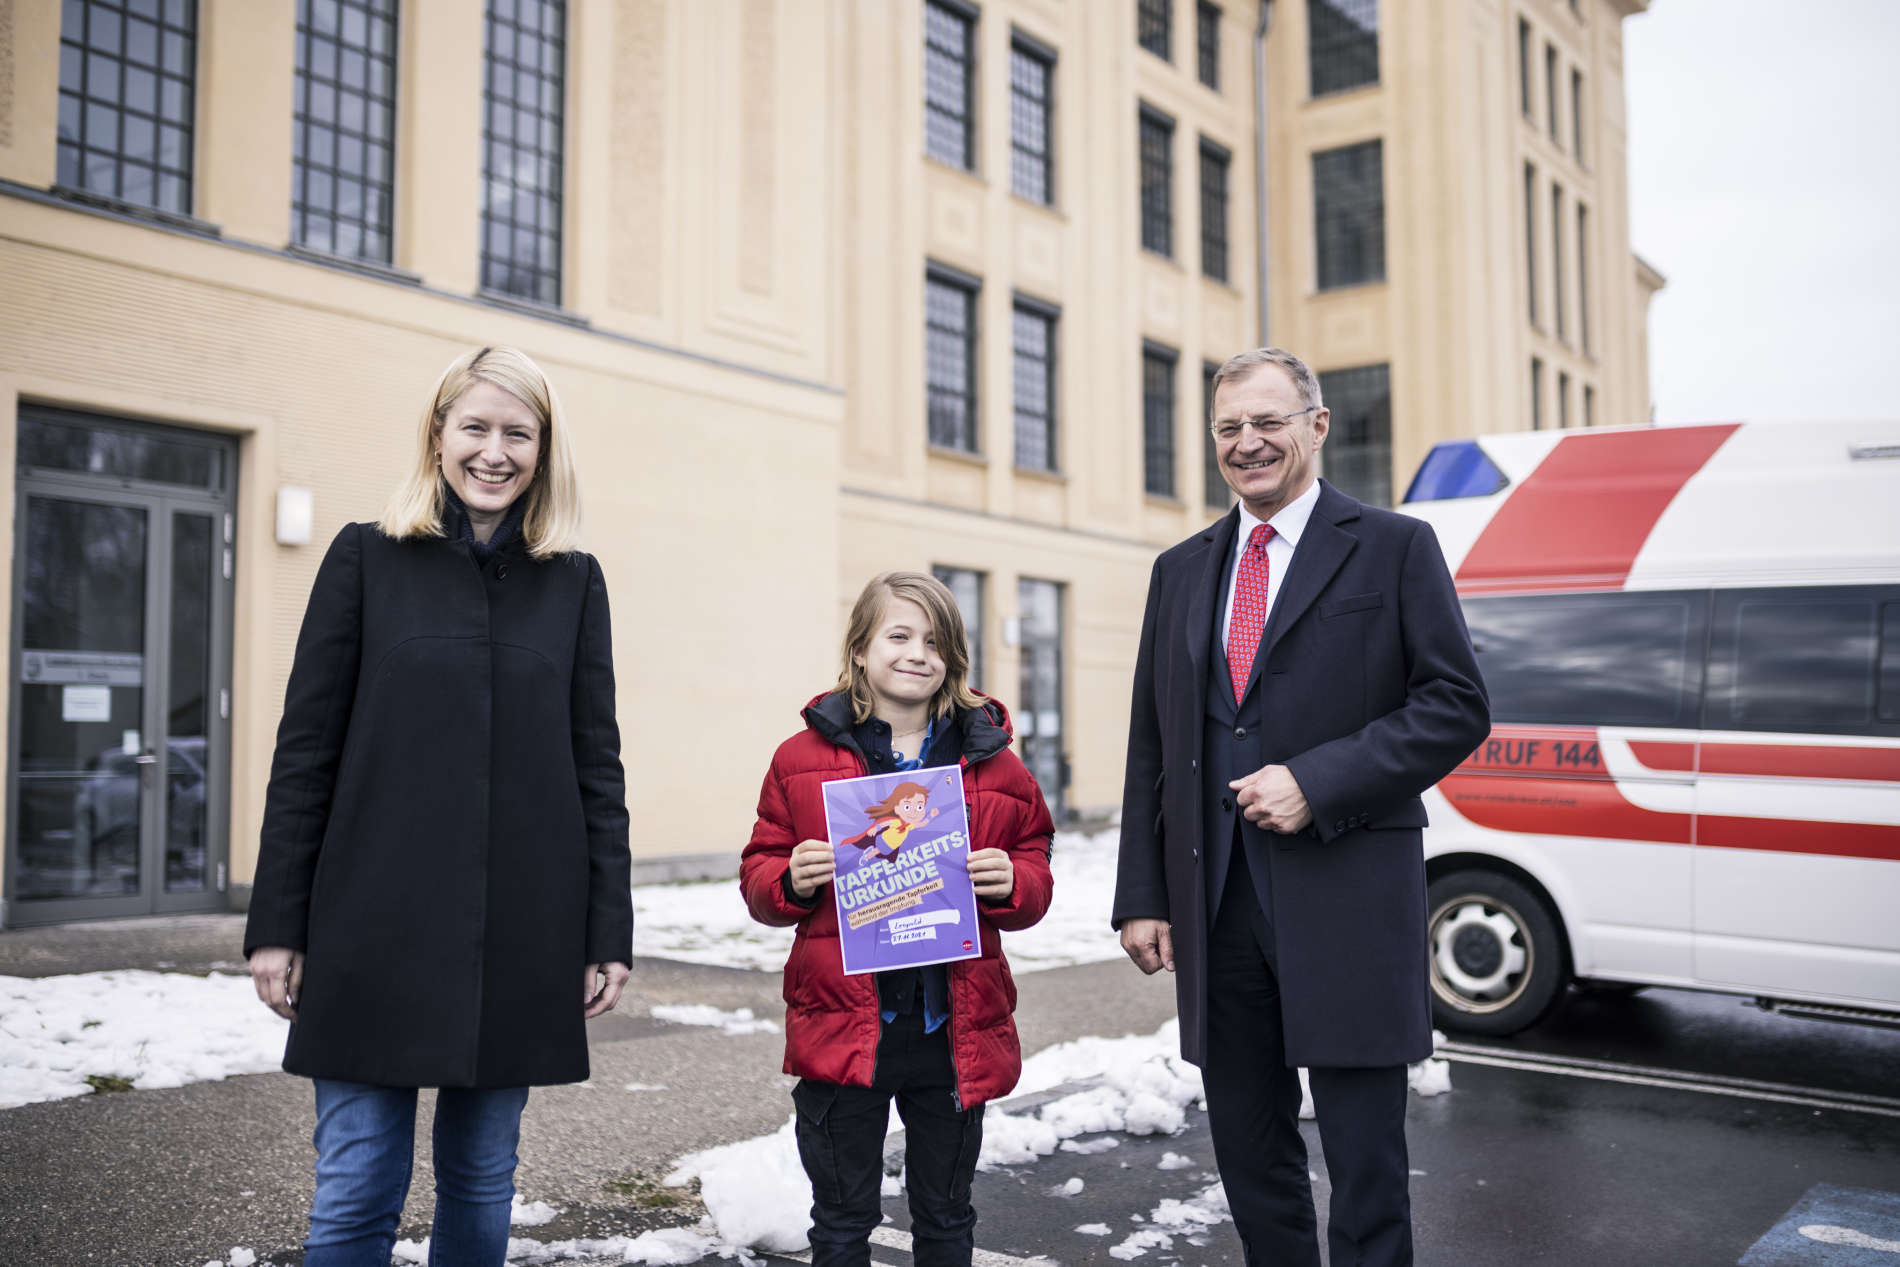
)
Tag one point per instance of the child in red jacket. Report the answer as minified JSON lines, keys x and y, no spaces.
{"x":939,"y":1038}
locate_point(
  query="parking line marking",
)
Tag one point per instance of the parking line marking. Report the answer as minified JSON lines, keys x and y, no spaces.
{"x":1645,"y":1076}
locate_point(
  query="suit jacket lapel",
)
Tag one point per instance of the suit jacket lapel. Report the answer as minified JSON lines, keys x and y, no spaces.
{"x":1205,"y":594}
{"x":1323,"y":547}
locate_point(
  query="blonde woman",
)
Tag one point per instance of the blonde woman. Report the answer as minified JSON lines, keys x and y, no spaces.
{"x":445,"y":835}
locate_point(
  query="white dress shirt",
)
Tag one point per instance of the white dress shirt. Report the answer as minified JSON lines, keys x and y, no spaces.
{"x":1287,"y":526}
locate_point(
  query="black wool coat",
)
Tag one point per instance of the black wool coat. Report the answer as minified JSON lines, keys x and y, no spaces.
{"x":1370,"y":693}
{"x":445,"y":832}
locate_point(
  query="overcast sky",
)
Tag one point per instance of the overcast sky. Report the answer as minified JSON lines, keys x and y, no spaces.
{"x":1764,"y":172}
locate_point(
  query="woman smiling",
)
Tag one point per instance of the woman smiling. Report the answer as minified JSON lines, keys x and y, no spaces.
{"x":444,"y":845}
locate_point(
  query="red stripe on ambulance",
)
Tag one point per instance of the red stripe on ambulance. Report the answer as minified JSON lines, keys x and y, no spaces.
{"x":1562,"y":529}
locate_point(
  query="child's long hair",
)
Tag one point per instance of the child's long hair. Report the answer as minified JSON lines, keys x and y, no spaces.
{"x":946,"y":626}
{"x":889,"y":808}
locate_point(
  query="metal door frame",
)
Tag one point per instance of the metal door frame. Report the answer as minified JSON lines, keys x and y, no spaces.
{"x":160,"y":502}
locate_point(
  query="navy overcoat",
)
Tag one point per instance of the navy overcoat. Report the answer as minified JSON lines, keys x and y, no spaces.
{"x":445,"y":832}
{"x":1371,"y":694}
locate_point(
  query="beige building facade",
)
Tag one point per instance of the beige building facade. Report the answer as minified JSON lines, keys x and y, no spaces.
{"x":828,"y":287}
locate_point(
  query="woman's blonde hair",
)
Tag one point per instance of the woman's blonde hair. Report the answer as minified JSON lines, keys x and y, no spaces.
{"x":946,"y":626}
{"x":551,"y":521}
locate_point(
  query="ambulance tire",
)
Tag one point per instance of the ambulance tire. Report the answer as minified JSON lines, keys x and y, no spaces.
{"x":1498,"y":963}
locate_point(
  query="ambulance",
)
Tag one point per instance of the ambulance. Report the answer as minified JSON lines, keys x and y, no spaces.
{"x":1691,"y":639}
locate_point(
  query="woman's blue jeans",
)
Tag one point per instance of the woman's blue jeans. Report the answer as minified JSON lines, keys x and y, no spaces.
{"x":366,"y":1143}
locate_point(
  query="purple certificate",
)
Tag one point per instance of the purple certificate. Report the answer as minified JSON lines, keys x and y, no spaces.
{"x":902,"y":846}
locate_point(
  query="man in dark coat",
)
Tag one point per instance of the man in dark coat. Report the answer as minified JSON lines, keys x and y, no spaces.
{"x":1304,"y":674}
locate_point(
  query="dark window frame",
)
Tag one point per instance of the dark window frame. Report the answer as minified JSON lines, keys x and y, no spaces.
{"x":111,"y":91}
{"x":1216,"y":168}
{"x":322,"y":170}
{"x":1050,"y":318}
{"x":1563,"y":400}
{"x":1028,"y":163}
{"x":1576,"y":114}
{"x":1537,"y":393}
{"x":1358,"y":451}
{"x":1207,"y":19}
{"x":941,"y":432}
{"x":1530,"y":237}
{"x":1583,"y":276}
{"x":1559,"y":318}
{"x":1348,"y":225}
{"x":1155,"y":150}
{"x":1589,"y":406}
{"x":538,"y":57}
{"x":959,"y":116}
{"x":1154,"y":27}
{"x":1159,"y":403}
{"x":1524,"y":95}
{"x":1551,"y":89}
{"x":1342,"y":46}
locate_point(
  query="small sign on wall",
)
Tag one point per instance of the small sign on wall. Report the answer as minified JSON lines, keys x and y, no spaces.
{"x":85,"y":703}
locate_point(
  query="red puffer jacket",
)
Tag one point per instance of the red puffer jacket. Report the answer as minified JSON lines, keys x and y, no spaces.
{"x":831,"y":1020}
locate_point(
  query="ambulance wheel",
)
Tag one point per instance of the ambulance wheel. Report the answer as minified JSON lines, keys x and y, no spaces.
{"x":1497,"y":961}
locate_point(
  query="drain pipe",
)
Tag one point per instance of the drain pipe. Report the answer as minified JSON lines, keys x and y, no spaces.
{"x":1262,"y":244}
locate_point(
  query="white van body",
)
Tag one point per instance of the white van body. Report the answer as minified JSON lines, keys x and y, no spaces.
{"x":1691,"y":636}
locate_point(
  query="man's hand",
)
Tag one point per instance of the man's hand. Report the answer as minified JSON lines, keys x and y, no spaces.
{"x":993,"y":874}
{"x":277,"y":974}
{"x":1271,"y":799}
{"x":812,"y":867}
{"x":602,"y":986}
{"x":1150,"y":943}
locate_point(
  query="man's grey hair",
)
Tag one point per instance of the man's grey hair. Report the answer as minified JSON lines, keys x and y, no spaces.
{"x":1244,"y":364}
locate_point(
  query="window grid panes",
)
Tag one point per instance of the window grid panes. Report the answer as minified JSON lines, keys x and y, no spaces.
{"x":1214,"y":491}
{"x":523,"y":142}
{"x":1034,"y":338}
{"x":947,"y":61}
{"x":1154,"y":26}
{"x":343,"y":129}
{"x":966,"y":586}
{"x":1359,"y":438}
{"x":1349,"y":214}
{"x":950,"y":362}
{"x":1214,"y":165}
{"x":1342,"y":44}
{"x":1207,"y":41}
{"x":1557,"y":260}
{"x":1030,"y":110}
{"x":1157,"y":182}
{"x":1157,"y":421}
{"x":127,"y":83}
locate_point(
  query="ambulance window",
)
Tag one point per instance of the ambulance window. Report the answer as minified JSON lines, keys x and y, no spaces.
{"x":1890,"y":662}
{"x":1591,"y":659}
{"x":1807,"y":660}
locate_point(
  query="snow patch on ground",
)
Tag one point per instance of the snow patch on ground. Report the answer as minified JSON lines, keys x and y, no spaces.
{"x":1174,"y":1161}
{"x":668,"y":1247}
{"x":755,"y":1191}
{"x":738,"y":1022}
{"x":531,"y":1213}
{"x":1085,"y":1146}
{"x":148,"y":1029}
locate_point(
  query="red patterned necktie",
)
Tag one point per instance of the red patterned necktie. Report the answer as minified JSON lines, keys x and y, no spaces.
{"x":1249,"y":620}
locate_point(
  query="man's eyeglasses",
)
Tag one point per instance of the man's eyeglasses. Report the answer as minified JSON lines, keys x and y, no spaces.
{"x":1266,"y":425}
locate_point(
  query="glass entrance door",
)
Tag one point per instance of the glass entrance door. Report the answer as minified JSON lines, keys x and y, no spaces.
{"x":119,"y":704}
